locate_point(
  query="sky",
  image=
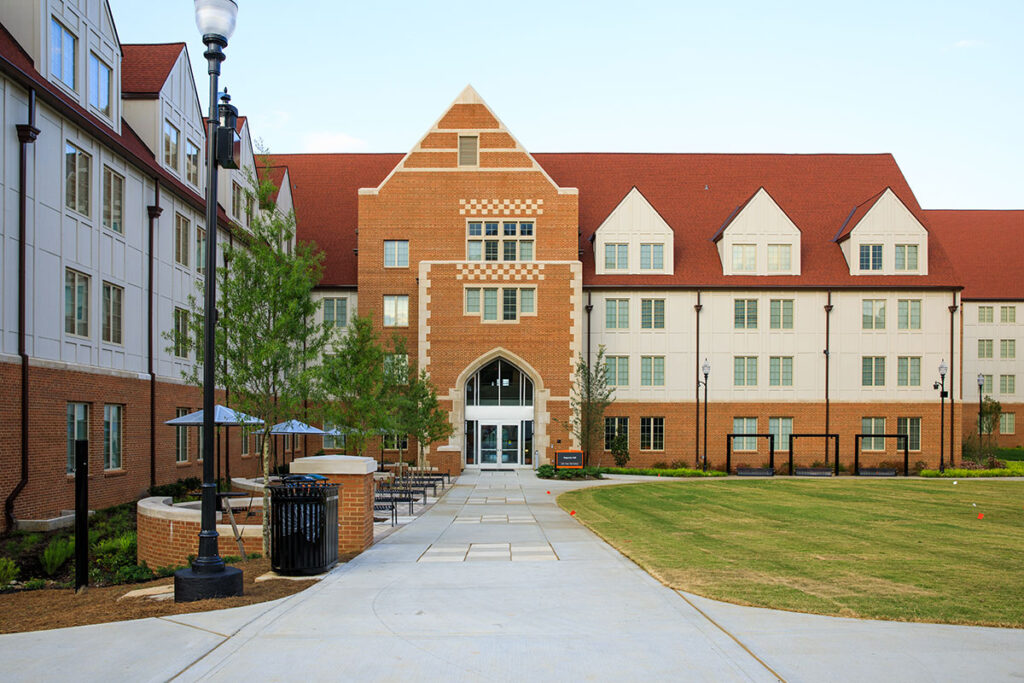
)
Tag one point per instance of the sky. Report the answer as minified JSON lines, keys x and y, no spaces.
{"x":937,"y":84}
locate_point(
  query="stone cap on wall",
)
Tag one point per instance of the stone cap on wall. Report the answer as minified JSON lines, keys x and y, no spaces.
{"x":333,"y":464}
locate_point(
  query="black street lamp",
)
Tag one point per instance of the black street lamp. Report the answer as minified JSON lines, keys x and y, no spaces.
{"x":706,"y":369}
{"x":981,"y":383}
{"x":941,"y":386}
{"x":208,"y":577}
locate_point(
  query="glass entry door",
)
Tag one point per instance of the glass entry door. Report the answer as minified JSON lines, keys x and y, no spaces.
{"x":510,"y":444}
{"x":499,"y":443}
{"x":488,"y":444}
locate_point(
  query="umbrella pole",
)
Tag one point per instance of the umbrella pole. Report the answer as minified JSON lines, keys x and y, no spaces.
{"x":217,"y":435}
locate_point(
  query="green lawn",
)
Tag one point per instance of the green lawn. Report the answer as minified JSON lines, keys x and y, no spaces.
{"x":911,"y":550}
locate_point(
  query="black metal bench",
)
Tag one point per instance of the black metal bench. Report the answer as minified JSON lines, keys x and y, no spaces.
{"x":755,"y":471}
{"x":812,"y":472}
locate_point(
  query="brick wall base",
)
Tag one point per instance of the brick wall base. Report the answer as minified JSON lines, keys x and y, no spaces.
{"x":167,"y":536}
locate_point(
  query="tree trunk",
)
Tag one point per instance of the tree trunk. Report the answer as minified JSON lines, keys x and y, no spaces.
{"x":266,"y":496}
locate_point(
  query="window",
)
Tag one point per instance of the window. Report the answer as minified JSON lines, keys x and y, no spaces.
{"x":1007,"y":384}
{"x":652,"y":371}
{"x":613,"y":426}
{"x":99,"y":85}
{"x":181,"y":242}
{"x":336,"y":311}
{"x":77,"y":179}
{"x":780,"y":371}
{"x":243,"y":437}
{"x":780,"y":428}
{"x":392,"y":442}
{"x":872,"y":425}
{"x":396,"y":253}
{"x":652,"y":433}
{"x":180,"y":438}
{"x":986,"y":384}
{"x":984,"y":348}
{"x":76,"y":303}
{"x":199,"y":445}
{"x":490,"y":304}
{"x":744,"y":371}
{"x":78,"y":429}
{"x":871,"y":257}
{"x":779,"y":258}
{"x":1007,"y":423}
{"x":872,"y":371}
{"x":906,"y":257}
{"x":985,"y":314}
{"x":511,"y":248}
{"x":908,"y":313}
{"x":113,"y":201}
{"x":527,"y":300}
{"x":744,"y":258}
{"x":744,"y":425}
{"x":474,"y":250}
{"x":509,"y":308}
{"x":468,"y":154}
{"x":396,"y":311}
{"x":63,"y":53}
{"x":652,"y":256}
{"x":112,"y":311}
{"x":171,"y":138}
{"x":200,"y":251}
{"x":652,"y":314}
{"x":526,"y":250}
{"x":745,"y":314}
{"x":617,"y":370}
{"x":490,"y":250}
{"x":191,"y":163}
{"x":616,"y":256}
{"x":236,"y":200}
{"x":199,"y":325}
{"x":1007,"y":348}
{"x":911,"y":428}
{"x":473,"y":300}
{"x":1007,"y":314}
{"x":396,"y":367}
{"x":781,"y":314}
{"x":616,"y":314}
{"x":112,"y":436}
{"x":908,"y":371}
{"x":873,"y":314}
{"x":181,"y":333}
{"x":508,"y":251}
{"x":331,"y":440}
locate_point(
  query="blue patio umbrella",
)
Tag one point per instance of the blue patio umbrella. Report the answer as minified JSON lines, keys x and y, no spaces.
{"x":295,"y":427}
{"x":222,"y":415}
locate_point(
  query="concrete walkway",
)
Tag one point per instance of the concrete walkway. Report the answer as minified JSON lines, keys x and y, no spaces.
{"x":495,"y":582}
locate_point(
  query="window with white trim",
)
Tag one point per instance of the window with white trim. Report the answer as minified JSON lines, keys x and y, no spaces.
{"x":652,"y":371}
{"x":616,"y":314}
{"x":652,"y":433}
{"x":744,"y":258}
{"x":336,"y":311}
{"x":499,"y":241}
{"x":77,"y":430}
{"x":780,"y":371}
{"x":987,"y":383}
{"x":616,"y":256}
{"x":873,"y":314}
{"x":871,"y":257}
{"x":515,"y":302}
{"x":911,"y":428}
{"x":76,"y":303}
{"x":113,"y":201}
{"x":99,"y":85}
{"x":111,"y":312}
{"x":617,"y":370}
{"x":652,"y":256}
{"x":613,"y":426}
{"x":781,"y":314}
{"x":908,"y":314}
{"x":744,"y":371}
{"x":77,"y":179}
{"x":181,"y":240}
{"x":181,"y":333}
{"x":779,"y":258}
{"x":985,"y":314}
{"x":872,"y":371}
{"x":745,"y":314}
{"x":780,"y":428}
{"x":112,"y":424}
{"x":396,"y":310}
{"x":200,"y":251}
{"x":652,"y":314}
{"x":469,"y":154}
{"x":908,"y":371}
{"x":392,"y":442}
{"x":180,"y":437}
{"x":1007,"y":423}
{"x":872,"y":425}
{"x":985,"y":347}
{"x":1007,"y":314}
{"x":172,"y":137}
{"x":63,"y":53}
{"x":237,"y":200}
{"x":744,"y":425}
{"x":192,"y":162}
{"x":333,"y":441}
{"x":1007,"y":384}
{"x":906,"y":257}
{"x":396,"y":253}
{"x":1007,"y":348}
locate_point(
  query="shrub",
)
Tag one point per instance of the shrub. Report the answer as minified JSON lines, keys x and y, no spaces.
{"x":652,"y":472}
{"x":546,"y":471}
{"x":132,"y":573}
{"x":620,"y":450}
{"x":677,"y":465}
{"x":660,"y":465}
{"x":34,"y":584}
{"x":9,"y":571}
{"x":56,"y":554}
{"x":192,"y":483}
{"x":113,"y":554}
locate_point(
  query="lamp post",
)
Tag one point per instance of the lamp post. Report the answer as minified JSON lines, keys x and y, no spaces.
{"x":981,"y":384}
{"x":208,"y":577}
{"x":941,"y":386}
{"x":706,"y":369}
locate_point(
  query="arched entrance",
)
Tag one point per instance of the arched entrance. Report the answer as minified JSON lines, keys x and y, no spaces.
{"x":499,"y":416}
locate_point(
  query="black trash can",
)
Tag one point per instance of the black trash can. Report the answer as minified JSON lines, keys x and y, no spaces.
{"x":303,"y":527}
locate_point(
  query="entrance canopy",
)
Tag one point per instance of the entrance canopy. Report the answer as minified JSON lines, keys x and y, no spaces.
{"x":222,"y":415}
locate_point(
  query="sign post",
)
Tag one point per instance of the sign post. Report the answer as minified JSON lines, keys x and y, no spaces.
{"x":81,"y":515}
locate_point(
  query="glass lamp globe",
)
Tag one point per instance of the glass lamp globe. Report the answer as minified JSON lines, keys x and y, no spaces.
{"x":981,"y":380}
{"x":943,"y":369}
{"x":706,"y":367}
{"x":216,"y":17}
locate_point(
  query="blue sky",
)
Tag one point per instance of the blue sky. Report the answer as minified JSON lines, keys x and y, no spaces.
{"x":937,"y":84}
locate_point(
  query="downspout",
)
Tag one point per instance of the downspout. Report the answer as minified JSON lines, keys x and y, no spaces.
{"x":697,"y":308}
{"x":588,"y":308}
{"x":154,"y":214}
{"x":828,"y":359}
{"x":952,"y":396}
{"x":27,"y":133}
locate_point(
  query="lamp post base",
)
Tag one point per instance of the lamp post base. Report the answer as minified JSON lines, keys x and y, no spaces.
{"x":190,"y":586}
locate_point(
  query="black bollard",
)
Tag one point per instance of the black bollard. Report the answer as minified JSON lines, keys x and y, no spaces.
{"x":81,"y":514}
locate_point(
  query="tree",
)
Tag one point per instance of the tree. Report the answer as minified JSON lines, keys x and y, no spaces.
{"x":620,"y":449}
{"x":356,"y":385}
{"x":985,"y":448}
{"x":589,"y":396}
{"x":265,"y":341}
{"x":424,"y":419}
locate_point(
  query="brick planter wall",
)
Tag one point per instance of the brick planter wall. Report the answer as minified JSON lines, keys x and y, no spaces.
{"x":355,"y":498}
{"x":168,"y":534}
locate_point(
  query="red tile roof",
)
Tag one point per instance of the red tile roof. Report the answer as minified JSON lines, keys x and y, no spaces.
{"x":325,"y":193}
{"x":856,"y":216}
{"x":144,"y":68}
{"x":988,"y":248}
{"x":274,"y":174}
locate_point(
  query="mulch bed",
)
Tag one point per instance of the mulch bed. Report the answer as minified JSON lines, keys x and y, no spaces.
{"x":44,"y":609}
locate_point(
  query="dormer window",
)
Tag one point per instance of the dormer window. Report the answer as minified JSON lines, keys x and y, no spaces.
{"x":744,"y":258}
{"x":871,"y":257}
{"x":616,"y":256}
{"x":779,"y":258}
{"x":652,"y":256}
{"x":468,"y":152}
{"x":63,"y":50}
{"x":906,"y":257}
{"x":99,"y":85}
{"x":171,"y":138}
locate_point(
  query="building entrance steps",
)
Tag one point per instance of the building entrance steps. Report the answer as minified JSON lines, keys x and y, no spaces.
{"x":504,"y":601}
